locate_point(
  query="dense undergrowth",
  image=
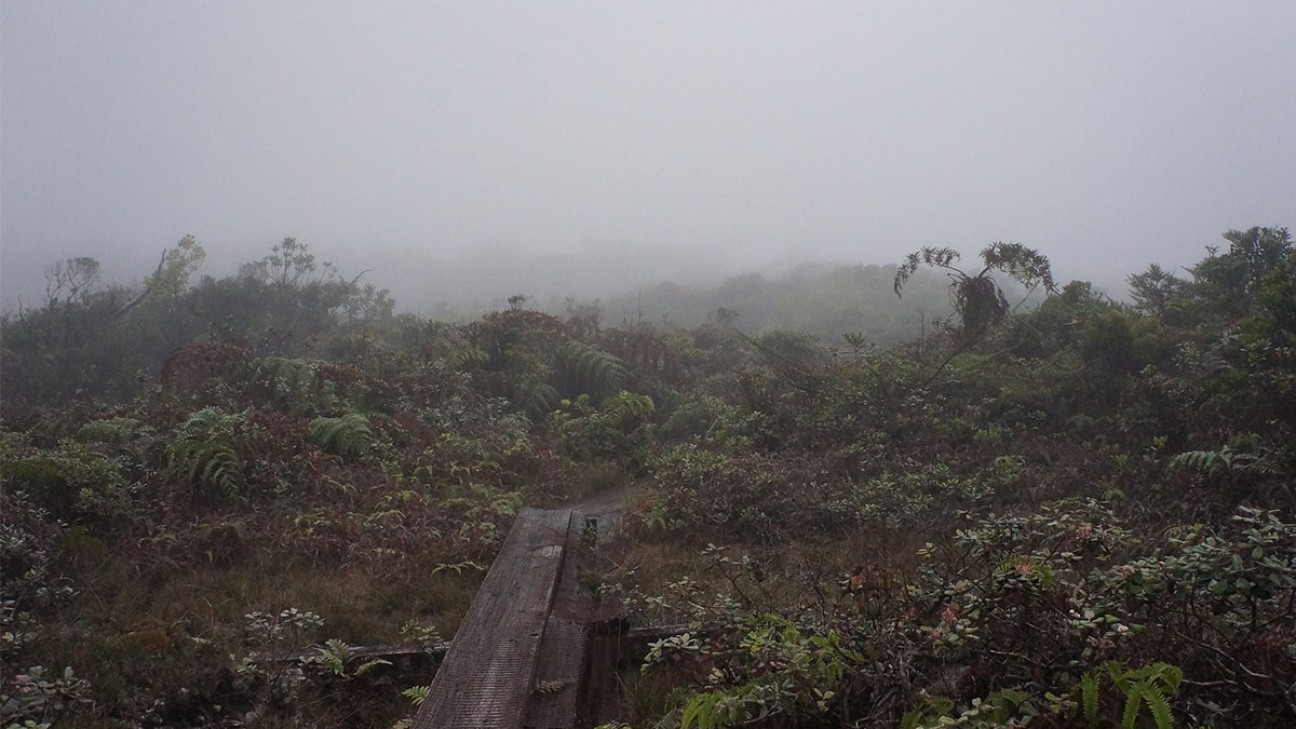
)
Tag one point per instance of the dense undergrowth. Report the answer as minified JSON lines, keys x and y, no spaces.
{"x":1080,"y":515}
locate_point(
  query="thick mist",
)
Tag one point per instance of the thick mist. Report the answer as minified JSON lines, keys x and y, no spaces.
{"x":467,"y":152}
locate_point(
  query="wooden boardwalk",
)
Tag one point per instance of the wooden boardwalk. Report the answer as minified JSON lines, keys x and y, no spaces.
{"x":522,"y":656}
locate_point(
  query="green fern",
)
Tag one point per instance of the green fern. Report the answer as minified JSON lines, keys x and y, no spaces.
{"x":336,"y":658}
{"x":469,"y":357}
{"x":628,"y":407}
{"x":1224,"y":459}
{"x":931,"y":712}
{"x":284,"y":375}
{"x":1148,"y":685}
{"x":112,"y":431}
{"x":703,"y":709}
{"x":1089,"y":698}
{"x":416,"y":694}
{"x":348,"y":436}
{"x":203,"y":452}
{"x":1158,"y":706}
{"x":294,"y":386}
{"x":584,"y":368}
{"x":539,"y":399}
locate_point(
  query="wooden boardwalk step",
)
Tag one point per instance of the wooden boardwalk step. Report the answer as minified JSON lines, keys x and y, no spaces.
{"x":488,"y":675}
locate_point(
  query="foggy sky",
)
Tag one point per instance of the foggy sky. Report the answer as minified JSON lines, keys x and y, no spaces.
{"x":669,"y":137}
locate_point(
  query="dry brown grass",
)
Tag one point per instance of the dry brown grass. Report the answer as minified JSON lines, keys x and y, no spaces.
{"x":171,"y":631}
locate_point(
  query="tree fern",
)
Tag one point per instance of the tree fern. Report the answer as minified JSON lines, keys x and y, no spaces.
{"x":348,"y":436}
{"x":203,"y":452}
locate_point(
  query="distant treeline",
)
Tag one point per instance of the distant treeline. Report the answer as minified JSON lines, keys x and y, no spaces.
{"x":823,"y":300}
{"x":104,"y":340}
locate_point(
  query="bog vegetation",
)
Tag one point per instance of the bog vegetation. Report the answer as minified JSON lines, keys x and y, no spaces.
{"x":1079,"y":513}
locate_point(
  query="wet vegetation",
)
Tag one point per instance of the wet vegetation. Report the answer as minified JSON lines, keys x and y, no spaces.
{"x":1079,"y":513}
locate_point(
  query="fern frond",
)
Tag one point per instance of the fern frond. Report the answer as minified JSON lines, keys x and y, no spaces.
{"x":628,"y":406}
{"x":584,"y":368}
{"x":701,"y":708}
{"x":203,"y":451}
{"x":113,"y":431}
{"x":416,"y":694}
{"x":469,"y":357}
{"x":1089,"y":698}
{"x":295,"y":386}
{"x":1133,"y":699}
{"x":1224,"y":459}
{"x":1119,"y":675}
{"x":369,"y":665}
{"x":220,"y":467}
{"x":1168,"y":674}
{"x":334,"y":656}
{"x":540,"y":399}
{"x":1200,"y":461}
{"x":348,"y":436}
{"x":1157,"y":704}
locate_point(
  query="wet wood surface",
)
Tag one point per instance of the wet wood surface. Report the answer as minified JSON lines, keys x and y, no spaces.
{"x":522,"y":656}
{"x":489,"y":672}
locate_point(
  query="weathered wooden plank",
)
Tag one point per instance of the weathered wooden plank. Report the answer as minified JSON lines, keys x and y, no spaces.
{"x":571,"y":601}
{"x":601,"y":703}
{"x":563,"y":654}
{"x":488,"y":673}
{"x":600,"y":699}
{"x":563,"y":651}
